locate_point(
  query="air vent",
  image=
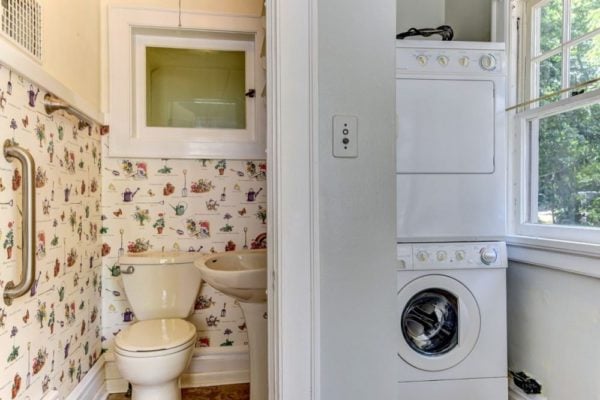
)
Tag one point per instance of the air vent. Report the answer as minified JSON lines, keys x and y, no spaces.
{"x":22,"y":22}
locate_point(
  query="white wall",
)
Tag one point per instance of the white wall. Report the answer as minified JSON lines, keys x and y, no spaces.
{"x":419,"y":14}
{"x":470,"y":19}
{"x":357,"y":201}
{"x":71,"y":45}
{"x":554,"y":328}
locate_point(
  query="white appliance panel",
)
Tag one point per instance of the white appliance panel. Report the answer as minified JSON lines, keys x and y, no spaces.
{"x":488,"y":359}
{"x":463,"y":389}
{"x":445,"y":126}
{"x":485,"y":278}
{"x":436,"y":207}
{"x":451,"y":142}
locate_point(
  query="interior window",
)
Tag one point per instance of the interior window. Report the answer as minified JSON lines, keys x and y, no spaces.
{"x":195,"y":88}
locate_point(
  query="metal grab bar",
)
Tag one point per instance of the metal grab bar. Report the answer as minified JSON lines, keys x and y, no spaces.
{"x":12,"y":291}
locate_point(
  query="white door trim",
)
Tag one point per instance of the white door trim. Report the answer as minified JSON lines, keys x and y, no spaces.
{"x":293,"y":200}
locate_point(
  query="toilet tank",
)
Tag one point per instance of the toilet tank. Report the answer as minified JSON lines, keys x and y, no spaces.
{"x":160,"y":284}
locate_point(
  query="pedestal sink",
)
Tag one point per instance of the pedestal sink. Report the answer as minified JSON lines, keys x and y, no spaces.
{"x":243,"y":276}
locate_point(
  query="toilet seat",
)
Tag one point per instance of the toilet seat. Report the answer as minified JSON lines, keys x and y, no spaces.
{"x":153,"y":338}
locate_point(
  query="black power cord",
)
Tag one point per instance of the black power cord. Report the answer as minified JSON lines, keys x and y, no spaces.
{"x":445,"y":31}
{"x":526,"y":383}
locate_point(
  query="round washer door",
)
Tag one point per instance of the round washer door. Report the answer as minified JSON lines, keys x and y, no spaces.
{"x":440,"y":322}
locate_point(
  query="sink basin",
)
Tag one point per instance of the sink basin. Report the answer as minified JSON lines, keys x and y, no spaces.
{"x":243,"y":276}
{"x":239,"y":274}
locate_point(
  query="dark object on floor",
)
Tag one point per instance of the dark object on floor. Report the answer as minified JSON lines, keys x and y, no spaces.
{"x":445,"y":31}
{"x":129,"y":389}
{"x":526,"y":383}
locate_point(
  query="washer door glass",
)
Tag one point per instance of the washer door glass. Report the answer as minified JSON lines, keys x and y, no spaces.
{"x":439,"y":320}
{"x":430,"y":322}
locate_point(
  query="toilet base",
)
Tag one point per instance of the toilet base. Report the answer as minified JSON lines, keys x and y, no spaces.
{"x":165,"y":391}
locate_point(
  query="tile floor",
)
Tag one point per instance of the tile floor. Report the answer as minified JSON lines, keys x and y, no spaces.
{"x":226,"y":392}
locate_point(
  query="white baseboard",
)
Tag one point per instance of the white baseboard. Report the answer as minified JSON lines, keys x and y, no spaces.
{"x":210,"y":366}
{"x":92,"y":386}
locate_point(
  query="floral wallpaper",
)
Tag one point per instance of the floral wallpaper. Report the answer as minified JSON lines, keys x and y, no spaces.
{"x":50,"y":337}
{"x":187,"y":205}
{"x":91,"y":208}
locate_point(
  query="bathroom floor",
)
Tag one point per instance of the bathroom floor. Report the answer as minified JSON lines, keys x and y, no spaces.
{"x":226,"y":392}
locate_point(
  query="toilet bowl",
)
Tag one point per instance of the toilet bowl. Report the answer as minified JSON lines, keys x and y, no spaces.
{"x":153,"y":352}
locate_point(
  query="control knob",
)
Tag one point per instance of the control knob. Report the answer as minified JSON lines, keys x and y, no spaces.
{"x":441,"y":255}
{"x":488,"y":255}
{"x":422,"y":256}
{"x":422,"y":60}
{"x":488,"y":62}
{"x":443,"y":60}
{"x":460,"y":255}
{"x":464,"y":61}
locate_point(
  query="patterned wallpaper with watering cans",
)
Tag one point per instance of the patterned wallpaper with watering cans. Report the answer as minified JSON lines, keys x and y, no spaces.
{"x":90,"y":209}
{"x":187,"y":205}
{"x":50,"y":337}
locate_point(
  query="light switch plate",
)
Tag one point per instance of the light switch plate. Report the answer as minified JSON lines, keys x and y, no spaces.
{"x":345,"y":136}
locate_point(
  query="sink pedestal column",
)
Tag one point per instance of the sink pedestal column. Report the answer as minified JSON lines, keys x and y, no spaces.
{"x":255,"y":315}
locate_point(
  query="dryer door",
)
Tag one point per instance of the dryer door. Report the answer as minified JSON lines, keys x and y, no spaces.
{"x":440,"y":322}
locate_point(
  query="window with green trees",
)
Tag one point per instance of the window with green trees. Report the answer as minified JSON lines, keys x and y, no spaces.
{"x":563,"y":124}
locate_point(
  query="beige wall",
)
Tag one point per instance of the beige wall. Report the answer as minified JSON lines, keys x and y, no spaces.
{"x":249,"y":7}
{"x":74,"y":38}
{"x":71,"y":45}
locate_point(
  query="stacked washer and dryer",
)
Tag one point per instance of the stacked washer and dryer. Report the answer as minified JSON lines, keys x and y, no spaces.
{"x":451,"y":216}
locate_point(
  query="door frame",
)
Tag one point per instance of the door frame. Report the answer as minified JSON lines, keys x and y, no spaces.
{"x":292,"y":158}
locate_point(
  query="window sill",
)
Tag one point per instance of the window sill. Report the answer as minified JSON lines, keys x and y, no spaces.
{"x":573,"y":257}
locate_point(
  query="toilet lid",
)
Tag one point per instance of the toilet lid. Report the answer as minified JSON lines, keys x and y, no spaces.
{"x":155,"y":334}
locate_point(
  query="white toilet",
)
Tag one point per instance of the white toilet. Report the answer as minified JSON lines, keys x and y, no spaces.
{"x":153,"y":352}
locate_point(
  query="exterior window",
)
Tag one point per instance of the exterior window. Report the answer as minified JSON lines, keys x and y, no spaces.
{"x":560,"y":130}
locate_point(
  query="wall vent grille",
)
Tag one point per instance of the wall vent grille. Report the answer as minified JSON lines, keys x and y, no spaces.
{"x":22,"y":22}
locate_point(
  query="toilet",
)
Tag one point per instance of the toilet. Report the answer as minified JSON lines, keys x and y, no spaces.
{"x":153,"y":352}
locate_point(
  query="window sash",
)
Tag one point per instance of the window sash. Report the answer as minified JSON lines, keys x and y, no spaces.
{"x":526,"y":173}
{"x":533,"y":14}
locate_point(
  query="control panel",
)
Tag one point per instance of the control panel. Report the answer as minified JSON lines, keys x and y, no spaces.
{"x":449,"y":60}
{"x":424,"y":256}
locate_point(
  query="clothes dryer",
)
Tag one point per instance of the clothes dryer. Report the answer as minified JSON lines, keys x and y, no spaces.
{"x":451,"y":141}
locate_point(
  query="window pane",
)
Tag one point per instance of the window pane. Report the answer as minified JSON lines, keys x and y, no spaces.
{"x":584,"y":61}
{"x":585,"y":17}
{"x":569,"y":168}
{"x":191,"y":88}
{"x":550,"y":26}
{"x":550,"y":77}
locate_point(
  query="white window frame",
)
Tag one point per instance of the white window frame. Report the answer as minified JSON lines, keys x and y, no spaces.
{"x":126,"y":139}
{"x":526,"y":176}
{"x":226,"y":42}
{"x":525,"y":156}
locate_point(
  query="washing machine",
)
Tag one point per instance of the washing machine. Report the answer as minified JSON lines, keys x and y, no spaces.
{"x":452,"y":316}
